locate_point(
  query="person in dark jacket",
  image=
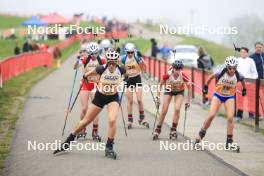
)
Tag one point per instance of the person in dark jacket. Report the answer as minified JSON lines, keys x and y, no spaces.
{"x":154,"y":48}
{"x":258,"y":58}
{"x":204,"y":61}
{"x":17,"y":49}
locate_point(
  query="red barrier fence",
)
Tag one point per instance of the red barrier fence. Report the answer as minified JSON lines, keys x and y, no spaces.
{"x":252,"y":102}
{"x":16,"y":65}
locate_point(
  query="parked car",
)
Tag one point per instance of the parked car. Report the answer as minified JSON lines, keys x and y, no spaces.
{"x":186,"y":53}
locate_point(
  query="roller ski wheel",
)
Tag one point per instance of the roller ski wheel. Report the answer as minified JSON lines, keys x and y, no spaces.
{"x":173,"y":135}
{"x":155,"y":136}
{"x":129,"y":126}
{"x":197,"y":144}
{"x":233,"y":147}
{"x":81,"y":135}
{"x":143,"y":123}
{"x":96,"y":137}
{"x":65,"y":145}
{"x":110,"y":153}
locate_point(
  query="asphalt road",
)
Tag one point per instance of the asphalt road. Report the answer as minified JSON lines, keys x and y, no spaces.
{"x":42,"y":121}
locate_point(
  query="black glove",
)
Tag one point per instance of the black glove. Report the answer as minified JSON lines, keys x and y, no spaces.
{"x":244,"y":92}
{"x":187,"y":105}
{"x":205,"y":89}
{"x":125,"y":78}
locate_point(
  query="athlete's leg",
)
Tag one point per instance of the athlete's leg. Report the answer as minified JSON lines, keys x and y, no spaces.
{"x":84,"y":96}
{"x":215,"y":105}
{"x":165,"y":106}
{"x":178,"y":100}
{"x":91,"y":114}
{"x":129,"y":95}
{"x":230,"y":109}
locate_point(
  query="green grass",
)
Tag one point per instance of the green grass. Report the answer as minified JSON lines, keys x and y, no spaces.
{"x":217,"y":51}
{"x":11,"y":21}
{"x":8,"y":45}
{"x":12,"y":97}
{"x":89,"y":24}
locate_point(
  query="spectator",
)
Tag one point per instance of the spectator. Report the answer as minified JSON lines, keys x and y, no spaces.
{"x":57,"y":56}
{"x":204,"y":61}
{"x":258,"y":58}
{"x":247,"y":68}
{"x":27,"y":46}
{"x":165,"y":52}
{"x":154,"y":48}
{"x":17,"y":49}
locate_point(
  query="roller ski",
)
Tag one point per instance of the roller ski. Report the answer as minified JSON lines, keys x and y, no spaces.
{"x":143,"y":123}
{"x":157,"y":133}
{"x":81,"y":135}
{"x":96,"y":137}
{"x":109,"y":152}
{"x":197,"y":142}
{"x":173,"y":134}
{"x":65,"y":145}
{"x":232,"y":146}
{"x":129,"y":126}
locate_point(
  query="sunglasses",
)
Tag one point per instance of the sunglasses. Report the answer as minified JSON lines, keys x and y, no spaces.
{"x":94,"y":54}
{"x":112,"y":63}
{"x":231,"y":68}
{"x":130,"y":52}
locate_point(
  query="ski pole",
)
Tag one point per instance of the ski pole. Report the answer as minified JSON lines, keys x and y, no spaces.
{"x":185,"y":115}
{"x":120,"y":106}
{"x":76,"y":98}
{"x":156,"y":116}
{"x":70,"y":98}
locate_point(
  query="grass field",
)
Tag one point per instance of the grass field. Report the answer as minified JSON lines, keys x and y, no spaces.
{"x":12,"y":97}
{"x":11,"y":21}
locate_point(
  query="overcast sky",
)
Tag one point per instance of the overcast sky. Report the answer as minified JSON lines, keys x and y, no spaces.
{"x":208,"y":12}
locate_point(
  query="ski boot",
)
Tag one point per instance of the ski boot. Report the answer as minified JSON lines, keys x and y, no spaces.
{"x":130,"y":123}
{"x":232,"y":146}
{"x":143,"y":123}
{"x":65,"y":145}
{"x":109,"y":152}
{"x":198,"y":140}
{"x":81,"y":135}
{"x":173,"y":133}
{"x":96,"y":137}
{"x":157,"y":133}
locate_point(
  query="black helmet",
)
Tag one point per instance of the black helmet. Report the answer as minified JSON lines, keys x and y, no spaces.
{"x":178,"y":64}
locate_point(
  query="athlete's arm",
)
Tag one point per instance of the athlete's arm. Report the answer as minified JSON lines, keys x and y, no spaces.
{"x":93,"y":71}
{"x":211,"y":77}
{"x":161,"y":83}
{"x":142,"y":64}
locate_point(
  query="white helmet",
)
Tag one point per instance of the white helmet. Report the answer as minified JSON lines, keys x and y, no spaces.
{"x":84,"y":47}
{"x":112,"y":55}
{"x":130,"y":47}
{"x":231,"y":61}
{"x":93,"y":47}
{"x":105,"y":43}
